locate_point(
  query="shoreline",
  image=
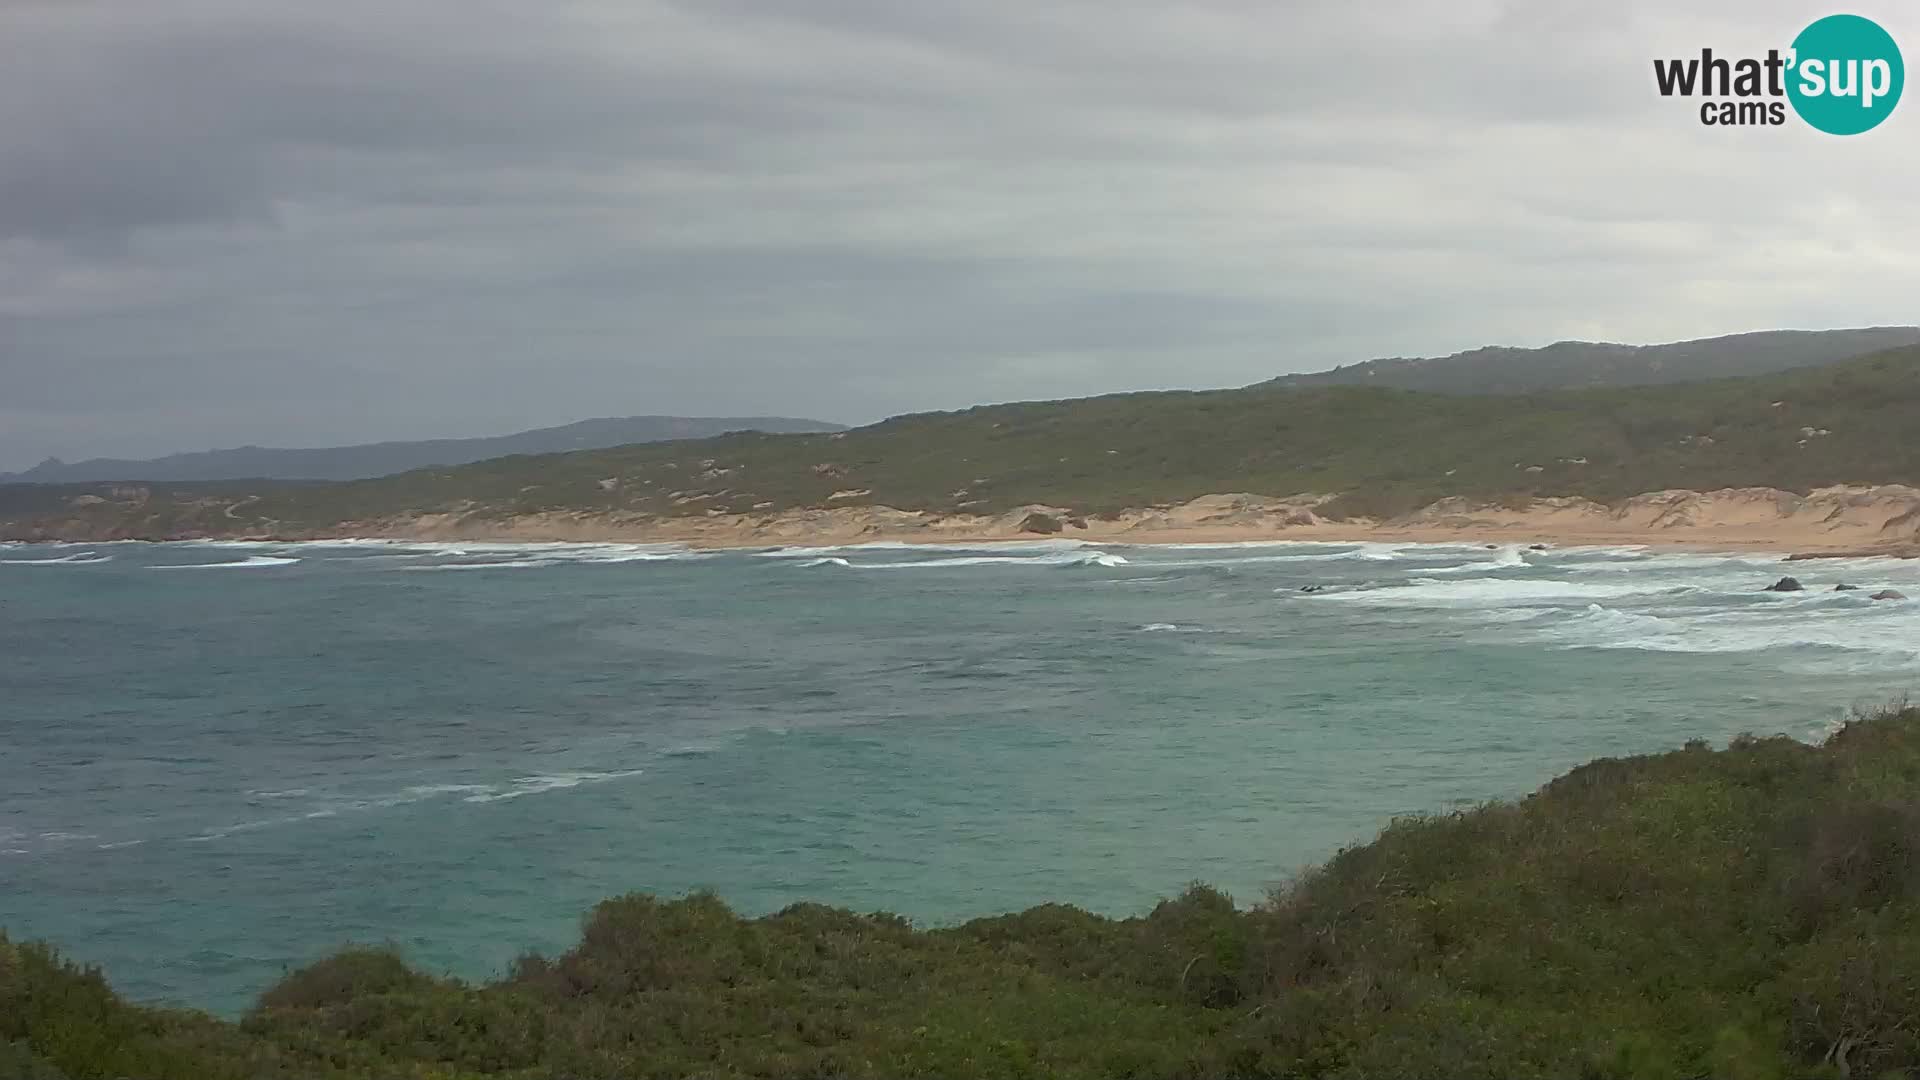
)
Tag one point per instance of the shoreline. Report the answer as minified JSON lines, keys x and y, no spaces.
{"x":1702,"y":542}
{"x":1838,"y":522}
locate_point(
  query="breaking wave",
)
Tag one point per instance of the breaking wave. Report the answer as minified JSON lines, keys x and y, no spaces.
{"x":1892,"y":630}
{"x":1508,"y":559}
{"x":84,"y":558}
{"x":251,"y":562}
{"x":1072,"y":557}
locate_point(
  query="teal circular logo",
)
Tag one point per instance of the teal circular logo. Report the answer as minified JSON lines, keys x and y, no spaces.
{"x":1846,"y":75}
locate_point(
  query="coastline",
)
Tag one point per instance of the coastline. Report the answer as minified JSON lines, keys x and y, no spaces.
{"x":1881,"y":521}
{"x":1835,"y":522}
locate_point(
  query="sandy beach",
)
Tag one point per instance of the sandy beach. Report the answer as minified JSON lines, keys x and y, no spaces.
{"x":1882,"y":520}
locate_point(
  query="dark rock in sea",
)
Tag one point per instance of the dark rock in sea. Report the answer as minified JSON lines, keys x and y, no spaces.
{"x":1312,"y":588}
{"x":1785,"y":584}
{"x":1536,"y":547}
{"x":1845,"y":588}
{"x":1888,"y":594}
{"x":1040,"y":523}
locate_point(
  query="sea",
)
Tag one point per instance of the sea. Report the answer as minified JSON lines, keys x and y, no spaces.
{"x":220,"y":761}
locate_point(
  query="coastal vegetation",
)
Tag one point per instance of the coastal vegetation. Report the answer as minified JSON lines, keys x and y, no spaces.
{"x":1745,"y":912}
{"x":1574,"y":365}
{"x":1382,"y":452}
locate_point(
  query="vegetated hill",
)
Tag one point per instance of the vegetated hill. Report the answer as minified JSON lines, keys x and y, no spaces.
{"x":387,"y":458}
{"x":1383,"y":451}
{"x":1570,"y":365}
{"x":1750,"y":912}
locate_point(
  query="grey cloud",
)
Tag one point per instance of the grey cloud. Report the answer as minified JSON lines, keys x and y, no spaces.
{"x":231,"y":221}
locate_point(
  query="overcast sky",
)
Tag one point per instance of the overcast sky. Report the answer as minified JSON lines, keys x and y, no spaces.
{"x":293,"y":222}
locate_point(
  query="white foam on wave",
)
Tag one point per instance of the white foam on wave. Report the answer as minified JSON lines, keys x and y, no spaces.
{"x":804,"y":552}
{"x":1678,"y":561}
{"x":518,"y":787}
{"x":984,"y":546}
{"x":1889,"y":629}
{"x":1244,"y":545}
{"x":1625,"y":552}
{"x":1605,"y":620}
{"x":621,"y":556}
{"x":374,"y":548}
{"x":257,"y":824}
{"x":534,"y":556}
{"x":1074,"y":557}
{"x":1495,"y":592}
{"x":536,"y":785}
{"x":1315,"y":551}
{"x":83,"y":558}
{"x":252,"y":562}
{"x":1366,"y":553}
{"x":503,"y":564}
{"x":1508,"y":559}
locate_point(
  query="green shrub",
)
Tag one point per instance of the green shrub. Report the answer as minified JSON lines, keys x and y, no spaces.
{"x":343,"y":977}
{"x":1751,"y":913}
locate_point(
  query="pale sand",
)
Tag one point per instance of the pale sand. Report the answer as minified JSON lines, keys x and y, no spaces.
{"x":1883,"y":520}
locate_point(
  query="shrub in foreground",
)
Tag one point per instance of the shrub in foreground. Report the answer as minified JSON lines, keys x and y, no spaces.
{"x":1744,"y":913}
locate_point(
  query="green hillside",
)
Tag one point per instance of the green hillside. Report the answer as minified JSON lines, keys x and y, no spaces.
{"x":1752,"y":912}
{"x":1383,"y":451}
{"x":1569,"y":365}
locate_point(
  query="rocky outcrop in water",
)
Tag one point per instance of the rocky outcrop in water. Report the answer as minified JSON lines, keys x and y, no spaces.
{"x":1785,"y":584}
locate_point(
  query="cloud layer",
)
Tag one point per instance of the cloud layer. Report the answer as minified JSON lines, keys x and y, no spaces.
{"x":229,"y":221}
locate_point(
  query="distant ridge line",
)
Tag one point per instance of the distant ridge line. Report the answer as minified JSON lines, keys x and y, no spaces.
{"x":368,"y":460}
{"x":1574,"y":365}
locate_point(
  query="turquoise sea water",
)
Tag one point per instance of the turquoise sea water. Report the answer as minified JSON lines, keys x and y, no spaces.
{"x":218,"y":761}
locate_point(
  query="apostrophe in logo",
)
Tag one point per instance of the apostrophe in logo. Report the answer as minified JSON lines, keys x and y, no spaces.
{"x":1846,"y":74}
{"x":1842,"y":75}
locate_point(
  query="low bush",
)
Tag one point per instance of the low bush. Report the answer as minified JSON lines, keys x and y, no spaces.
{"x":1746,"y":913}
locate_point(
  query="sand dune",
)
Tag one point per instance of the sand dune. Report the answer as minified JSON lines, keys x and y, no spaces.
{"x":1878,"y":520}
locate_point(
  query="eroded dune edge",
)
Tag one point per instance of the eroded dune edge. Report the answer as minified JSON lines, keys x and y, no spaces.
{"x":1840,"y":520}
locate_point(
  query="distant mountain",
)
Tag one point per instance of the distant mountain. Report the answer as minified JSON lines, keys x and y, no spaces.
{"x":1572,"y":365}
{"x":385,"y":459}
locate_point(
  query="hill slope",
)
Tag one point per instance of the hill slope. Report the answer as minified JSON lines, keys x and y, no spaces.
{"x":384,"y":459}
{"x":1571,"y":365}
{"x":1382,"y":451}
{"x":1751,"y":912}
